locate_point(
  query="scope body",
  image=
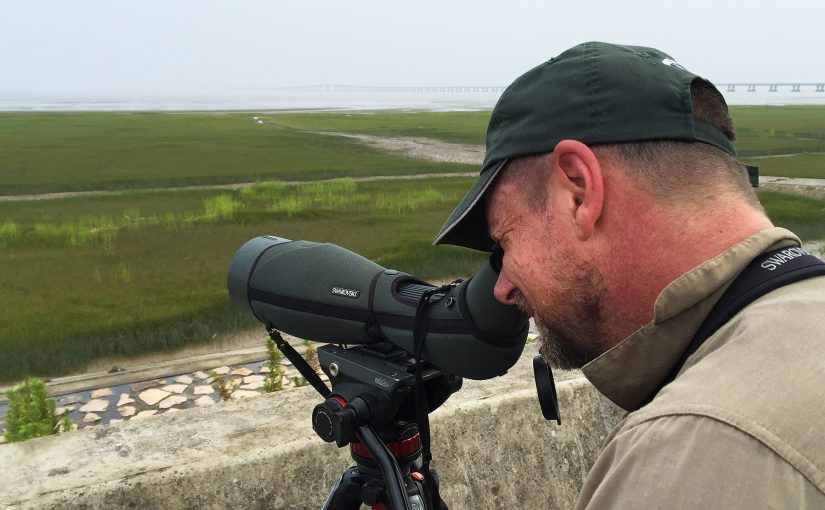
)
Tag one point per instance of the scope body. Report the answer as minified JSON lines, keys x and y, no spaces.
{"x":323,"y":292}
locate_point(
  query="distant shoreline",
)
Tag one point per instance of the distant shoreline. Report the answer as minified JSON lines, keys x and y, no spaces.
{"x":226,"y":111}
{"x":394,"y":109}
{"x":341,"y":102}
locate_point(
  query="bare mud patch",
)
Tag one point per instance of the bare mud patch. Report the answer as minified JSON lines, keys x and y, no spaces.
{"x":427,"y":149}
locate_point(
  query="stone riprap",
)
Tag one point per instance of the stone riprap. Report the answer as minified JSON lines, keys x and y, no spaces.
{"x":157,"y":396}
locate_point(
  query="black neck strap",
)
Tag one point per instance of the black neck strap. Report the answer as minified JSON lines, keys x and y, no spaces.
{"x":422,"y":406}
{"x":765,"y":273}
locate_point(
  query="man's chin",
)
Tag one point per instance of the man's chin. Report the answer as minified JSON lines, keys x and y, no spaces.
{"x":550,"y":353}
{"x":569,"y":330}
{"x":560,"y":351}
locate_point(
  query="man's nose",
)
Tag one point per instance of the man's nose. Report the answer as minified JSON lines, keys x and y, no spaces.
{"x":504,"y":290}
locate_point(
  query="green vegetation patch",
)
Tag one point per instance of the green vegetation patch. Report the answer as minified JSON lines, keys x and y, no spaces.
{"x":32,"y":414}
{"x":803,"y":216}
{"x":266,"y":199}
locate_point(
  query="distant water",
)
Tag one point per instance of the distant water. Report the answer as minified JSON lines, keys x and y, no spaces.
{"x":291,"y":101}
{"x":276,"y":101}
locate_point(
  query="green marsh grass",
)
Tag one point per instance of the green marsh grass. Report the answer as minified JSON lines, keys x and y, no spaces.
{"x":761,"y":130}
{"x":765,"y":130}
{"x":804,"y":165}
{"x":145,"y":271}
{"x":272,"y":197}
{"x":452,"y":127}
{"x":90,"y":151}
{"x":158,"y":287}
{"x":221,"y":207}
{"x":159,"y":283}
{"x":9,"y":231}
{"x":803,"y":216}
{"x":84,"y":151}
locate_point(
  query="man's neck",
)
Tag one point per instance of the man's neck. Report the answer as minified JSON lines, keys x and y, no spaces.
{"x":659,"y":245}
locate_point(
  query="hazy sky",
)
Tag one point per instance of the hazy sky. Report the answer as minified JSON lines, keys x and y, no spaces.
{"x":169,"y":46}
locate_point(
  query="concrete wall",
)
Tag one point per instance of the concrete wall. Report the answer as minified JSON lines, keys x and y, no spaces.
{"x":490,"y":444}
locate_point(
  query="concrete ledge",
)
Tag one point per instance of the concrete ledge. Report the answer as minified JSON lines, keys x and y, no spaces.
{"x":490,"y":444}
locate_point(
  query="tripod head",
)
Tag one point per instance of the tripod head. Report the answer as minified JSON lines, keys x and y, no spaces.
{"x":373,"y":408}
{"x":374,"y":387}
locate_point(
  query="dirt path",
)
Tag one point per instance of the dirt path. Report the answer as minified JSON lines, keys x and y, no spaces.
{"x":428,"y":149}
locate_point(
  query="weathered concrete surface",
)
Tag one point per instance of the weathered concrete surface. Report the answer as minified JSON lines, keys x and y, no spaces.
{"x":490,"y":444}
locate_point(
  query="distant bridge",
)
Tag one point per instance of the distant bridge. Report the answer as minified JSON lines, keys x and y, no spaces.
{"x":373,"y":89}
{"x":772,"y":87}
{"x":729,"y":87}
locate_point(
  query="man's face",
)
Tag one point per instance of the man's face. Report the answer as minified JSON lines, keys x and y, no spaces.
{"x":542,"y":274}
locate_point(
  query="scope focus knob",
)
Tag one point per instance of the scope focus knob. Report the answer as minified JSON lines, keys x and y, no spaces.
{"x":324,"y":416}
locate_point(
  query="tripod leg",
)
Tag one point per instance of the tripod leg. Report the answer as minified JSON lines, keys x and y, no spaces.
{"x":429,"y":488}
{"x":346,"y":493}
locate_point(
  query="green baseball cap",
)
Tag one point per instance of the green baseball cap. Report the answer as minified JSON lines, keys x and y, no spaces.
{"x":595,"y":93}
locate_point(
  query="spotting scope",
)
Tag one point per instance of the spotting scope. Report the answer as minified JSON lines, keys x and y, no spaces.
{"x":325,"y":293}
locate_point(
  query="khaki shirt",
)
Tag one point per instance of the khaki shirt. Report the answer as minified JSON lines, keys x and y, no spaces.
{"x":743,"y":424}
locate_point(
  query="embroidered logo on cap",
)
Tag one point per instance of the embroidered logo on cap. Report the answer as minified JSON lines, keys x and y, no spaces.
{"x":672,"y":63}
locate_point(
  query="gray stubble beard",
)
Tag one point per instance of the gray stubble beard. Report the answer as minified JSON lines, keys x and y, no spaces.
{"x":571,"y":329}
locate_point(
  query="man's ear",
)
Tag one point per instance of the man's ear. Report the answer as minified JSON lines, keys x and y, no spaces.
{"x":580,"y":185}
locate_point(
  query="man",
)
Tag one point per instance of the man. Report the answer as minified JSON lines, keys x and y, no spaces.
{"x":611,"y":191}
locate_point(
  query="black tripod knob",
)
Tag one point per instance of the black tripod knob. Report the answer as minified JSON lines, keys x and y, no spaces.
{"x":333,"y":420}
{"x":323,"y":418}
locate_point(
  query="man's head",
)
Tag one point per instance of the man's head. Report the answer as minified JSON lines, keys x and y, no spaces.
{"x":595,"y":160}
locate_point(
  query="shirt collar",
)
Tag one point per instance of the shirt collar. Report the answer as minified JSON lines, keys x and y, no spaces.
{"x":632,"y":369}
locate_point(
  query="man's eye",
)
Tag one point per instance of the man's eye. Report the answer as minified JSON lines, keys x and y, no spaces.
{"x":497,"y":257}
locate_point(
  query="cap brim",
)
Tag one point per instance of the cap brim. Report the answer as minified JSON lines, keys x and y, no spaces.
{"x":467,"y":225}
